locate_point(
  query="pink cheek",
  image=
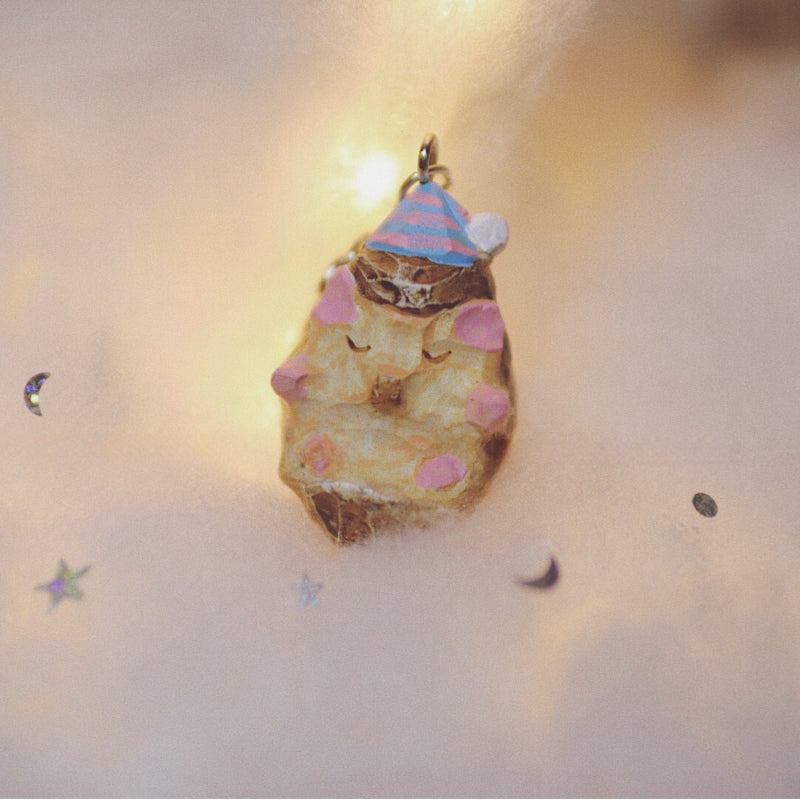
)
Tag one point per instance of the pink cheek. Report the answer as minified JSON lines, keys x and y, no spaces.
{"x":288,"y":380}
{"x":318,"y":453}
{"x":480,"y":325}
{"x":488,"y":408}
{"x":441,"y":472}
{"x":336,"y":303}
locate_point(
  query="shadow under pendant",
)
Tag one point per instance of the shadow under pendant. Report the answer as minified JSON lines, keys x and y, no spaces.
{"x":399,"y":401}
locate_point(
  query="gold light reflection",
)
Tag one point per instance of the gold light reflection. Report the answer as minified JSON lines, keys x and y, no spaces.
{"x":375,"y":181}
{"x":291,"y":337}
{"x":445,"y":7}
{"x":366,"y":180}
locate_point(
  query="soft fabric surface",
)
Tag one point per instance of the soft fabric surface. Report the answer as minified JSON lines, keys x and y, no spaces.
{"x":175,"y":177}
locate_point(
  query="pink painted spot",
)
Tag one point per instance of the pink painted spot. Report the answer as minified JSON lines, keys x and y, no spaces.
{"x":336,"y":303}
{"x":318,"y":453}
{"x":440,"y":472}
{"x":289,"y":379}
{"x":480,"y":325}
{"x":488,"y":407}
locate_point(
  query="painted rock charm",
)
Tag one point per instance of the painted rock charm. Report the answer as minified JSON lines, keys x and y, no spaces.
{"x":398,"y":400}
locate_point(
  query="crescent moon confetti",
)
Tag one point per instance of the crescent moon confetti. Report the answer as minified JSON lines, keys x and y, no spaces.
{"x":544,"y":581}
{"x":32,"y":388}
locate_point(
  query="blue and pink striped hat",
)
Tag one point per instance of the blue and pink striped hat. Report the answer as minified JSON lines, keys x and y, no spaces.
{"x":430,"y":224}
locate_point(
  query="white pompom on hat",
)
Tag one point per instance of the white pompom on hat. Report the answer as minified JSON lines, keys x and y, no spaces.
{"x":488,"y":232}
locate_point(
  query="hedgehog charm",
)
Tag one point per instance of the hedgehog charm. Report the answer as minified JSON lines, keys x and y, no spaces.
{"x":399,"y":401}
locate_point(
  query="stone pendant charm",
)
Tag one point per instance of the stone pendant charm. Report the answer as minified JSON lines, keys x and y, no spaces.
{"x":398,"y":400}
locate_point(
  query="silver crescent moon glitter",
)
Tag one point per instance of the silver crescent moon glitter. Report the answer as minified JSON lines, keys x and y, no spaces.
{"x":544,"y":581}
{"x":32,"y":388}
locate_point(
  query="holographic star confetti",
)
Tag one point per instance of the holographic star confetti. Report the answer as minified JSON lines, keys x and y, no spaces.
{"x":65,"y":584}
{"x":307,"y":592}
{"x":32,"y":388}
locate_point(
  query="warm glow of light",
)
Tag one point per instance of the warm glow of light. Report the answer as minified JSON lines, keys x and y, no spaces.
{"x":376,"y":179}
{"x":290,"y":337}
{"x":470,"y":6}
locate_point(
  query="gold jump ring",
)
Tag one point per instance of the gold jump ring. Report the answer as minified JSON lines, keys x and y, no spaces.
{"x":427,"y":166}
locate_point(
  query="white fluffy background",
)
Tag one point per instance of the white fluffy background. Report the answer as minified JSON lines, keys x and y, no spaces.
{"x":174,"y":178}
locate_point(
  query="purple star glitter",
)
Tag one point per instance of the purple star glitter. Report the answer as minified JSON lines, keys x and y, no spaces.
{"x":65,"y":584}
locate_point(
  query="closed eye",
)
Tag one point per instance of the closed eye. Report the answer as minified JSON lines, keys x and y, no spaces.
{"x":355,"y":348}
{"x":436,"y":359}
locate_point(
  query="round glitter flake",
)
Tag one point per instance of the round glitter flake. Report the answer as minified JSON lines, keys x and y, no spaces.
{"x":705,"y":504}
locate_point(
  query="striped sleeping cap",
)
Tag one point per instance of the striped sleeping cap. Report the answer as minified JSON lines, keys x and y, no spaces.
{"x":430,"y":224}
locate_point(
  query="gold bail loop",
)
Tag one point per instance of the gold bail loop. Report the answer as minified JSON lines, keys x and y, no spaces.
{"x":428,"y":156}
{"x":427,"y":166}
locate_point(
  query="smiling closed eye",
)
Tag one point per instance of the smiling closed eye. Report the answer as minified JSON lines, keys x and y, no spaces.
{"x":355,"y":348}
{"x":436,"y":359}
